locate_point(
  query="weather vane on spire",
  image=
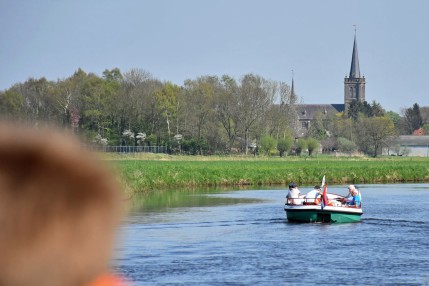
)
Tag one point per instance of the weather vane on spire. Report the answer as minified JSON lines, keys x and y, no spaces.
{"x":355,"y":28}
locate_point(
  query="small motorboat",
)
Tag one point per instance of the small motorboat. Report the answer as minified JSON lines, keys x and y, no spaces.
{"x":327,"y":208}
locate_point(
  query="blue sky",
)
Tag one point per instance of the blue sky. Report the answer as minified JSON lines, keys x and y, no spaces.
{"x":176,"y":40}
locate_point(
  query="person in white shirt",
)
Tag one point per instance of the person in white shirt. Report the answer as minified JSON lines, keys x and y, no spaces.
{"x":294,"y":196}
{"x":311,"y":196}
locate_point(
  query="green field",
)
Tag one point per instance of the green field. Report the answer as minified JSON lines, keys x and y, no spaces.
{"x":143,"y":173}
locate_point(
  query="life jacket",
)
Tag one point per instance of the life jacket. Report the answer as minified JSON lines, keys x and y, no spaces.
{"x":318,"y":201}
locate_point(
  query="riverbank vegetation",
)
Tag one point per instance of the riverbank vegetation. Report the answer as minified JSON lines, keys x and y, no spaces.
{"x":146,"y":173}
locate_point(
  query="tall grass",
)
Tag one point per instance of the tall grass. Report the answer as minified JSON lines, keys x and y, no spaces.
{"x":163,"y":171}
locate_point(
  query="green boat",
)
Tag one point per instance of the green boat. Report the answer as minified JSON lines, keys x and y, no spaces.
{"x":302,"y":211}
{"x":328,"y":214}
{"x":323,"y":207}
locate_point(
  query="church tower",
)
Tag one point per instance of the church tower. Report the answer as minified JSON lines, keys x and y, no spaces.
{"x":354,"y":85}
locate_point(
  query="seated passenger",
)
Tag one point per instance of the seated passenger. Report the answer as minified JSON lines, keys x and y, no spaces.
{"x":311,"y":196}
{"x":294,"y":196}
{"x":353,"y":198}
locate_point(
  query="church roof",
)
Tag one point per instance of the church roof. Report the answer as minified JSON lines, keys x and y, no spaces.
{"x":354,"y":68}
{"x":308,"y":111}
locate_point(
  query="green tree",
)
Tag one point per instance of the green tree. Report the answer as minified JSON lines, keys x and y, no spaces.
{"x":344,"y":127}
{"x":373,"y":133}
{"x":395,"y":117}
{"x":357,"y":107}
{"x":426,"y":128}
{"x":200,"y":102}
{"x":11,"y":104}
{"x":279,"y":119}
{"x":398,"y":122}
{"x":346,"y":146}
{"x":312,"y":145}
{"x":113,"y":75}
{"x":301,"y":146}
{"x":424,"y":113}
{"x":225,"y":108}
{"x":167,"y":104}
{"x":38,"y":105}
{"x":255,"y":95}
{"x":377,"y":110}
{"x":413,"y":118}
{"x":69,"y":99}
{"x":97,"y":99}
{"x":284,"y":145}
{"x":135,"y":105}
{"x":268,"y":144}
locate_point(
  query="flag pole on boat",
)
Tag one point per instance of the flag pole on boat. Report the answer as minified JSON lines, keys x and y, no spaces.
{"x":324,"y":201}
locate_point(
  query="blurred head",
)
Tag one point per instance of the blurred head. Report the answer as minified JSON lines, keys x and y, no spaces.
{"x":317,"y":187}
{"x":58,"y":210}
{"x":351,"y":189}
{"x":292,"y":185}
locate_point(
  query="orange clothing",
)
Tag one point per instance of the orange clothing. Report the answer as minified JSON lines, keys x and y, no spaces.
{"x":319,"y":200}
{"x":108,"y":280}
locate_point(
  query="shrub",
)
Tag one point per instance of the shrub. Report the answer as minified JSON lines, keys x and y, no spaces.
{"x":284,"y":145}
{"x":346,"y":146}
{"x":312,"y":145}
{"x":268,"y":144}
{"x":301,"y":145}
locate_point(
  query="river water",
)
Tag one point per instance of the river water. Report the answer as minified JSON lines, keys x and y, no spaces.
{"x":242,"y":237}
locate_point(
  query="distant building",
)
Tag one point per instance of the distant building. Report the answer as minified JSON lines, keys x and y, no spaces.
{"x":307,"y":112}
{"x":408,"y":145}
{"x":354,"y":89}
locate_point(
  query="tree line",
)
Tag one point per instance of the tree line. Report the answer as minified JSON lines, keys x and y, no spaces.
{"x":206,"y":115}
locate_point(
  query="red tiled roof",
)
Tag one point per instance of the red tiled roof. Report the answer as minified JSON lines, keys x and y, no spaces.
{"x":419,"y":132}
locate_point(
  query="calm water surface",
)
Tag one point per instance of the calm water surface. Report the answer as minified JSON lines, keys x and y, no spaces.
{"x":243,"y":238}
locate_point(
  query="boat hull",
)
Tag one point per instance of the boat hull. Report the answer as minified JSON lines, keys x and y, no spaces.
{"x":302,"y":213}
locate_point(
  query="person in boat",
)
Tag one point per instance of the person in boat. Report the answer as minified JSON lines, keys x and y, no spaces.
{"x":312,"y":196}
{"x":294,"y":196}
{"x":353,"y":198}
{"x":59,"y":213}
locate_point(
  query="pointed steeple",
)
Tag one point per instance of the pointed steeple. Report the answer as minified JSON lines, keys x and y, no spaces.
{"x":354,"y":69}
{"x":292,"y":89}
{"x":354,"y":85}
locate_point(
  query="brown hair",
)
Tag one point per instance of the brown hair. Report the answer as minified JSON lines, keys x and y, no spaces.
{"x":59,"y":209}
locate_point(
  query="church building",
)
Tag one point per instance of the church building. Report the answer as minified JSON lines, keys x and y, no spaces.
{"x":354,"y":89}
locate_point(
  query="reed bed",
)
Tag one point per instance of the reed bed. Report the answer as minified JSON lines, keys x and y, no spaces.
{"x":162,"y":171}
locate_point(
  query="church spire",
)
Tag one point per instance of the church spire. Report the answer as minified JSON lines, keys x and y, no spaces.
{"x":354,"y":85}
{"x":292,"y":89}
{"x":292,"y":92}
{"x":354,"y":69}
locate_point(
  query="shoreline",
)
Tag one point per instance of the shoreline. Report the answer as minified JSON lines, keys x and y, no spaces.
{"x":146,"y":173}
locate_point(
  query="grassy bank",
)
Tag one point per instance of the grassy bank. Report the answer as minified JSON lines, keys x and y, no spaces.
{"x":144,"y":172}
